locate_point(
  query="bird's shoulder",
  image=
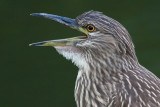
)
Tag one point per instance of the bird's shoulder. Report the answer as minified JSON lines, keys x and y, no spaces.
{"x":140,"y":86}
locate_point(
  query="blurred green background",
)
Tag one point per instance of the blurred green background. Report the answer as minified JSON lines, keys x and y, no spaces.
{"x":39,"y":76}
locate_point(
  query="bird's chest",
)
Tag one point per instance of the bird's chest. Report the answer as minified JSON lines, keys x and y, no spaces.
{"x":93,"y":92}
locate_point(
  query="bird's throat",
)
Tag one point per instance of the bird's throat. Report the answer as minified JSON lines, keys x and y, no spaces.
{"x":74,"y":54}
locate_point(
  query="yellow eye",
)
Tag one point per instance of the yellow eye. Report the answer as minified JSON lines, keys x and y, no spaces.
{"x":90,"y":28}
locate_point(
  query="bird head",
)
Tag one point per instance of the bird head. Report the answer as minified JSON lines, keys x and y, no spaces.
{"x":103,"y":37}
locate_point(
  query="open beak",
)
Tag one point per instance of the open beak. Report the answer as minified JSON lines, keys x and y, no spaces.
{"x":61,"y":42}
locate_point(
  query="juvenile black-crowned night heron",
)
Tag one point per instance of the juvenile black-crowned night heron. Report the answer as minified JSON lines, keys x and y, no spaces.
{"x":109,"y":73}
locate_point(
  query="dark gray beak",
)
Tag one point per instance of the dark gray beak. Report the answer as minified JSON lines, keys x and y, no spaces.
{"x":61,"y":42}
{"x":64,"y":20}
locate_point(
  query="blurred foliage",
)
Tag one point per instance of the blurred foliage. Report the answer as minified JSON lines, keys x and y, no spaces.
{"x":39,"y":76}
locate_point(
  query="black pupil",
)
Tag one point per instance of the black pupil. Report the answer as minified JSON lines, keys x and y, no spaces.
{"x":90,"y":27}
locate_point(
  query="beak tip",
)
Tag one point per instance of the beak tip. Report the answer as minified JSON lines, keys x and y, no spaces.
{"x":32,"y":44}
{"x":37,"y":44}
{"x":38,"y":14}
{"x":33,"y":14}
